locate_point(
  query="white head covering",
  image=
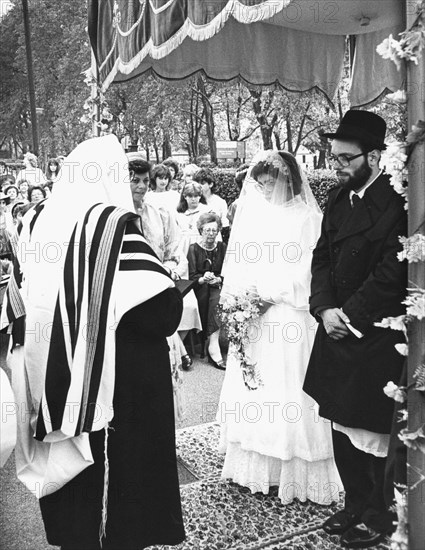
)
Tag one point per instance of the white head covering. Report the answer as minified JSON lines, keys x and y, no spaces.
{"x":95,"y":172}
{"x":276,"y":225}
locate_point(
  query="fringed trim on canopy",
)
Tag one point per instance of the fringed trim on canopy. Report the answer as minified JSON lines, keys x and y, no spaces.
{"x":198,"y":32}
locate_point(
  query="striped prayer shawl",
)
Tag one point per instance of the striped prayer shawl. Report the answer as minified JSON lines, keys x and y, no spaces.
{"x":13,"y":308}
{"x":107,"y":261}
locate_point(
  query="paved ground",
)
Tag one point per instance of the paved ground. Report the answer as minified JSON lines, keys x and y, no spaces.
{"x":218,"y":515}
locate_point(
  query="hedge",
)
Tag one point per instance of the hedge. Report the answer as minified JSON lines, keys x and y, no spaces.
{"x":321,"y":182}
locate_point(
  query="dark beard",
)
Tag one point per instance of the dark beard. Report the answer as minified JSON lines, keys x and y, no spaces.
{"x":358,"y":179}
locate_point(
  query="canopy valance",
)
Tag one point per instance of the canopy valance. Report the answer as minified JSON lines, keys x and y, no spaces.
{"x":297,"y":44}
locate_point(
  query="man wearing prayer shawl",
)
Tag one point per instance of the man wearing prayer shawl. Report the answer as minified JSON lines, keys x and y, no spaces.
{"x":97,"y":445}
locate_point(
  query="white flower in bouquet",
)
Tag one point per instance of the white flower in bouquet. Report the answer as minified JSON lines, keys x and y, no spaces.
{"x":238,"y":313}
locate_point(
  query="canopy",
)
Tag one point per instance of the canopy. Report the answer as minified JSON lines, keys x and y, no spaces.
{"x":297,"y":44}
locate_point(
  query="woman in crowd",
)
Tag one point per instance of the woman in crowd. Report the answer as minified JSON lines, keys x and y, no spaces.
{"x":161,"y":232}
{"x":7,"y":181}
{"x":188,"y":172}
{"x":161,"y":195}
{"x":6,"y":226}
{"x":205,"y":264}
{"x":36,"y":194}
{"x":53,"y":168}
{"x":107,"y":476}
{"x":12,"y":192}
{"x":23,"y":190}
{"x":277,"y":223}
{"x":215,"y":203}
{"x":191,"y":205}
{"x":173,"y":167}
{"x":31,"y":172}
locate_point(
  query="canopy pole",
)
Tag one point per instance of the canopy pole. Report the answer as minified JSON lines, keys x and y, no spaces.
{"x":94,"y":92}
{"x":416,"y":401}
{"x":30,"y":70}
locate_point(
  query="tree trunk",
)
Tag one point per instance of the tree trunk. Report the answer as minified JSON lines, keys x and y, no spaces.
{"x":323,"y":147}
{"x":289,"y":135}
{"x":166,"y":146}
{"x":209,"y":120}
{"x":277,"y":140}
{"x":266,"y":128}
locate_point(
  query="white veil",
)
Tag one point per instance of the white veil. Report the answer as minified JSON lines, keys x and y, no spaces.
{"x":276,"y":226}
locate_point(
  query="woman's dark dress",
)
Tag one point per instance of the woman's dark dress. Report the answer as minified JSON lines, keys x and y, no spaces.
{"x":200,"y":261}
{"x":144,"y":499}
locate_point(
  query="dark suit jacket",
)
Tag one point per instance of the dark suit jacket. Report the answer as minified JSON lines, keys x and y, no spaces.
{"x":355,"y":267}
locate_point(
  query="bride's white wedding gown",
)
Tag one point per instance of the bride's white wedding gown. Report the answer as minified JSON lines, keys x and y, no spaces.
{"x":273,"y":436}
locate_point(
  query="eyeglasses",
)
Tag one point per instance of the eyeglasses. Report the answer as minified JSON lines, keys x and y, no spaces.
{"x":208,"y":230}
{"x":344,"y":160}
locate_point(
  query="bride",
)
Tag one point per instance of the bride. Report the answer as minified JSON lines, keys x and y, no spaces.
{"x":273,"y":435}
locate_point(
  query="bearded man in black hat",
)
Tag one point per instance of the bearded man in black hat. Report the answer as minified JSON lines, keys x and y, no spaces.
{"x":357,"y":281}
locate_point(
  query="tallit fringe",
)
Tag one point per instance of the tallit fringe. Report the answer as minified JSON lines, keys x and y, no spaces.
{"x":102,"y":528}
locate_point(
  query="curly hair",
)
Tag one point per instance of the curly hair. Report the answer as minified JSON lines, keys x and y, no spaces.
{"x":208,"y":217}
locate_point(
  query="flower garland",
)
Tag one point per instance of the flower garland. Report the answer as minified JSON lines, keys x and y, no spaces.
{"x":409,"y":48}
{"x":238,"y":313}
{"x":95,"y":104}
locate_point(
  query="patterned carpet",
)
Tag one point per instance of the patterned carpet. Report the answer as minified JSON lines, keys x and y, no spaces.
{"x":222,"y":515}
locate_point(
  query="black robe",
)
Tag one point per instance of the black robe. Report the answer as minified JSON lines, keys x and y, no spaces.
{"x":144,"y":499}
{"x":355,"y":267}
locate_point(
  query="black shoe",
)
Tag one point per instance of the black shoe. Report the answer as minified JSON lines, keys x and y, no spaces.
{"x":186,"y":362}
{"x":221,"y":365}
{"x":340,"y":522}
{"x":361,"y":536}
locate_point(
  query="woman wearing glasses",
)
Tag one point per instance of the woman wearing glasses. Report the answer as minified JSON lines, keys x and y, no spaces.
{"x":272,"y":435}
{"x":205,"y":263}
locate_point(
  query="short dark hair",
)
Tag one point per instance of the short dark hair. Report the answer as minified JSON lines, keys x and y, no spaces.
{"x":173,"y":164}
{"x":159,"y":171}
{"x":11,"y":186}
{"x":205,"y":175}
{"x":16,"y":209}
{"x":139,"y":166}
{"x":34,"y":188}
{"x":208,"y":217}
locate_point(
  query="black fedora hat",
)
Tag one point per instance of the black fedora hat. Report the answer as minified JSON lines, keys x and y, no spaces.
{"x":362,"y":126}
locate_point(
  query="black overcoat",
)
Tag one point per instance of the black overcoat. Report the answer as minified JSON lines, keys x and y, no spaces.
{"x":355,"y":267}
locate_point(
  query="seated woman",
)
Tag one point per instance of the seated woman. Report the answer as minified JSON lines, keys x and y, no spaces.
{"x":205,"y":264}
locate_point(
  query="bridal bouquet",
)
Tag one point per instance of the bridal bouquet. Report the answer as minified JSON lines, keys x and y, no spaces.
{"x":237,"y":313}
